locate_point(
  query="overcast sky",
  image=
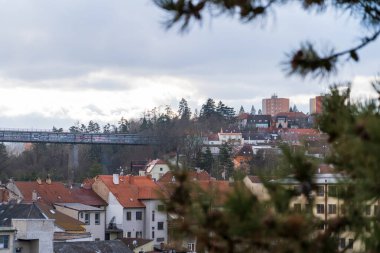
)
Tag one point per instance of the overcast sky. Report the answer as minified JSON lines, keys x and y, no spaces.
{"x":80,"y":60}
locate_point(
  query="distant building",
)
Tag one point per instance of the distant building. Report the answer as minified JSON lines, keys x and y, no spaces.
{"x":291,"y":120}
{"x":316,"y":104}
{"x":156,"y":169}
{"x":275,"y":105}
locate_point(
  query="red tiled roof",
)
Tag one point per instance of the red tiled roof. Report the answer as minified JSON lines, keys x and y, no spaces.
{"x":47,"y":193}
{"x":213,"y":137}
{"x":4,"y":195}
{"x":88,"y":197}
{"x":87,"y":183}
{"x":131,"y":189}
{"x":63,"y":221}
{"x":325,"y":169}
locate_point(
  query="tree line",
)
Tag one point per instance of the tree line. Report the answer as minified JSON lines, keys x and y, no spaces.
{"x":180,"y":133}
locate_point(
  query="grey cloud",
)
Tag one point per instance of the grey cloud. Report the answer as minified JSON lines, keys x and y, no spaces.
{"x":93,"y":109}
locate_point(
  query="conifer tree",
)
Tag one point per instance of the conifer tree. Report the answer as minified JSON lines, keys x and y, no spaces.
{"x":253,"y":110}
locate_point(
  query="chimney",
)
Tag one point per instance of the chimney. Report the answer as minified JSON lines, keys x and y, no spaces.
{"x":115,"y":178}
{"x":48,"y":180}
{"x":34,"y":196}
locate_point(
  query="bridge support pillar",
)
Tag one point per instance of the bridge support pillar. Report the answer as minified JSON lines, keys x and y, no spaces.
{"x":73,"y":163}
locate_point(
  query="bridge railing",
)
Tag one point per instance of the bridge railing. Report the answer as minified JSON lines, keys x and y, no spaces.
{"x":74,"y":138}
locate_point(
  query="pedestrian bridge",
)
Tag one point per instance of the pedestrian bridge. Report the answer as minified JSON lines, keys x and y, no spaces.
{"x":46,"y":136}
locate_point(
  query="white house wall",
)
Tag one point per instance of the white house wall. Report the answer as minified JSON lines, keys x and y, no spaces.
{"x":114,"y":209}
{"x":159,"y":235}
{"x":133,"y":225}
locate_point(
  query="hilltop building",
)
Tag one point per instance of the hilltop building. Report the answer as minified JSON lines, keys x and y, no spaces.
{"x":275,"y":105}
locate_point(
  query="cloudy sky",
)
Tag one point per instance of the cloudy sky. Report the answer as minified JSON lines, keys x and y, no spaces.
{"x":80,"y":60}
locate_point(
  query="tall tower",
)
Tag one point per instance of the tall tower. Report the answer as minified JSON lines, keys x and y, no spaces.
{"x":274,"y":105}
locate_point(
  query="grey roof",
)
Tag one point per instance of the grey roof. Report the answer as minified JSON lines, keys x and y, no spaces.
{"x":19,"y":211}
{"x":114,"y":246}
{"x":135,"y":242}
{"x":79,"y":206}
{"x":327,"y":178}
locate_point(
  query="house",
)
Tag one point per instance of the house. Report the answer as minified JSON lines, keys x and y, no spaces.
{"x":134,"y":207}
{"x":232,"y":136}
{"x":297,"y":136}
{"x":259,"y":121}
{"x":291,"y":120}
{"x":242,"y":119}
{"x":156,"y":169}
{"x":93,"y":217}
{"x":327,"y":204}
{"x":34,"y":229}
{"x":68,"y":225}
{"x":114,"y":246}
{"x":66,"y":228}
{"x":243,"y":157}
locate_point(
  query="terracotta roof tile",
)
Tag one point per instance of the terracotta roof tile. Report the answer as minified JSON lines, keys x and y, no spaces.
{"x":131,"y":189}
{"x":88,"y":197}
{"x":63,"y":221}
{"x":47,"y":193}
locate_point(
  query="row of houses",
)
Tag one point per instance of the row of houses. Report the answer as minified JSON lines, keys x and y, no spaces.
{"x":103,"y":208}
{"x":279,"y":120}
{"x":128,"y":209}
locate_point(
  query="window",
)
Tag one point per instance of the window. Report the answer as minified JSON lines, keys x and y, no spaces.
{"x":161,"y":208}
{"x":129,"y":216}
{"x":161,"y":169}
{"x":160,"y":239}
{"x":191,"y":247}
{"x":320,"y":208}
{"x":87,"y":218}
{"x":4,"y":240}
{"x":153,"y":216}
{"x":97,"y":218}
{"x":332,"y":209}
{"x":152,"y":234}
{"x":81,"y":215}
{"x":297,"y":208}
{"x":160,"y":225}
{"x":333,"y":192}
{"x":321,"y":191}
{"x":138,"y":215}
{"x":138,"y":234}
{"x":342,"y":243}
{"x":350,"y":244}
{"x":129,"y":234}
